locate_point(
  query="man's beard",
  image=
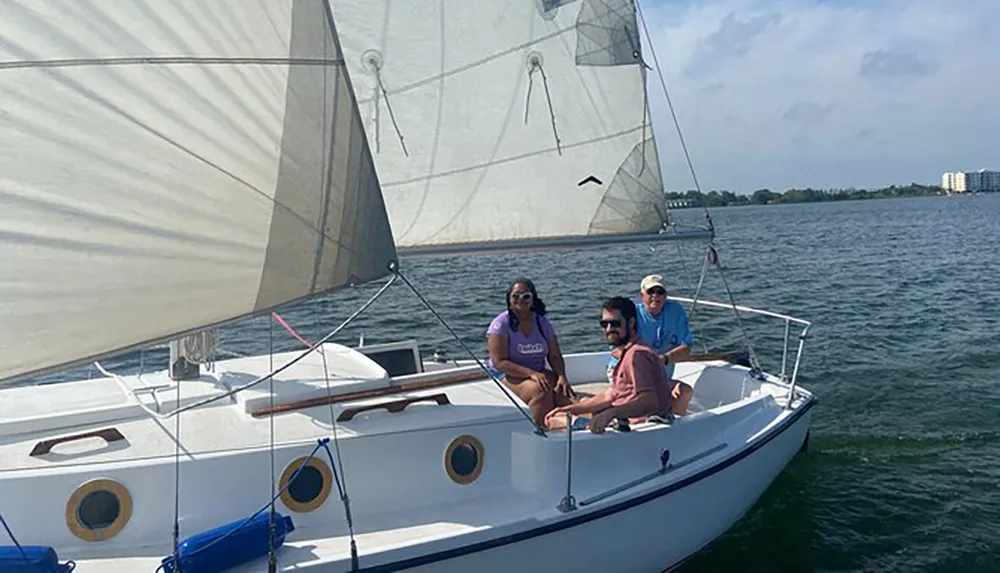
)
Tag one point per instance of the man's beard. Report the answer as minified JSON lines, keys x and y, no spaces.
{"x":621,"y":341}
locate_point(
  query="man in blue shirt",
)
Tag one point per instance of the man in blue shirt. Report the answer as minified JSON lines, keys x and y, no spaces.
{"x":663,"y":325}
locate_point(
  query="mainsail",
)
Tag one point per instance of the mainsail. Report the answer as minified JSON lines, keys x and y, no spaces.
{"x":501,"y":122}
{"x":171,"y":165}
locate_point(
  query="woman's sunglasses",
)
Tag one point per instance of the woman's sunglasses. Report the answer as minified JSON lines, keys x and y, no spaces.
{"x":522,"y":296}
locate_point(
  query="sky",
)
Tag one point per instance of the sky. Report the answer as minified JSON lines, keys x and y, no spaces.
{"x":825,"y":93}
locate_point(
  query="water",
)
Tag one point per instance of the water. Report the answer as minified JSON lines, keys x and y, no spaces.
{"x":903,"y":472}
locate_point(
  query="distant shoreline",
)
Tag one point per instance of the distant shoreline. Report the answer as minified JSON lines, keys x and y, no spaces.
{"x":808,"y":195}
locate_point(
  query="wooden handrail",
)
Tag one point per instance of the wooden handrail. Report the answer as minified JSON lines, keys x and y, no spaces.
{"x":393,"y":407}
{"x":107,"y":434}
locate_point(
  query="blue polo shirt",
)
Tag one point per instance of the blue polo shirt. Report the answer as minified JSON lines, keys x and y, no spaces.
{"x":663,"y":332}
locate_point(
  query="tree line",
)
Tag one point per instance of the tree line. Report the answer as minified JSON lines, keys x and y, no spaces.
{"x":808,"y":195}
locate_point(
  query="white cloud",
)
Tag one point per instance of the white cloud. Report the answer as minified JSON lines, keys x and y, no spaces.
{"x":831,"y":93}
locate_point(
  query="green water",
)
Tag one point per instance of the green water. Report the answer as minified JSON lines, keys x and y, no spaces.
{"x":903,"y":472}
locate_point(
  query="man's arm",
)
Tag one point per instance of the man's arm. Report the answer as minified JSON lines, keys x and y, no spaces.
{"x":589,"y":405}
{"x":641,"y":368}
{"x":644,"y":404}
{"x":676,"y":354}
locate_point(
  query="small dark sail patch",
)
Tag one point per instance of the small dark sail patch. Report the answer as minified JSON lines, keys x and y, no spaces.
{"x":590,"y":179}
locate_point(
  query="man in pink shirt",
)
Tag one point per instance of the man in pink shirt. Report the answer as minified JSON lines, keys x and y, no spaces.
{"x":639,"y":388}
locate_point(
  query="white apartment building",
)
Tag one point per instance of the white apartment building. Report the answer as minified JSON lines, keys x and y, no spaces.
{"x":953,"y":182}
{"x":971,"y":181}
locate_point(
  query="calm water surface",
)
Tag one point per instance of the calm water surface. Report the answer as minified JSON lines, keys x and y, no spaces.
{"x":903,"y":472}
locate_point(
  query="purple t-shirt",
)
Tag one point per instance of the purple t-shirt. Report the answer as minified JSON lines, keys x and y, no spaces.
{"x":528,"y":351}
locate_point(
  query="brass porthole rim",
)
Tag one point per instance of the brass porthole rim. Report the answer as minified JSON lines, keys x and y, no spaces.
{"x":465,"y":439}
{"x":79,"y":529}
{"x":319,"y":500}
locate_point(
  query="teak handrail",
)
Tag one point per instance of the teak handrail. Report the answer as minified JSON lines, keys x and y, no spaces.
{"x":393,"y":407}
{"x":107,"y":434}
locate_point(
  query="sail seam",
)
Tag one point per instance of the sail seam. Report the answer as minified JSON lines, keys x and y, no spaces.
{"x":165,"y":60}
{"x":477,"y":63}
{"x":512,"y":158}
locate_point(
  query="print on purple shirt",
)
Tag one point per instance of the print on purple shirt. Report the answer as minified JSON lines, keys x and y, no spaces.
{"x":528,"y":351}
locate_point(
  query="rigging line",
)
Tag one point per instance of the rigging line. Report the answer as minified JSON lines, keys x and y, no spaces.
{"x":552,"y":113}
{"x":527,"y":96}
{"x":342,"y":490}
{"x":271,"y":562}
{"x":754,"y":362}
{"x":12,"y":538}
{"x":673,"y":114}
{"x":388,"y":106}
{"x":274,"y":372}
{"x":176,"y":537}
{"x":697,"y":292}
{"x":538,"y":430}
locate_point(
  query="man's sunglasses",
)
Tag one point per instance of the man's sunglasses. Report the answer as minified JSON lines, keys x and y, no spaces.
{"x":657,"y":291}
{"x":613,"y":323}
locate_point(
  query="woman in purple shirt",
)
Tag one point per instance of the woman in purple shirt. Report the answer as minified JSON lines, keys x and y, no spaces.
{"x":520,"y":339}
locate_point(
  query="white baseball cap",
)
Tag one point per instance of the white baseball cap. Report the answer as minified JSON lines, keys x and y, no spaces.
{"x":651,"y":281}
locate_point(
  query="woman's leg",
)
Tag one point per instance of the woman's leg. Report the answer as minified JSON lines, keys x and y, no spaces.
{"x":538,"y":399}
{"x":558,"y":398}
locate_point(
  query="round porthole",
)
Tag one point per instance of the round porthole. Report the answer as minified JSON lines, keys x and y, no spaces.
{"x":98,"y":510}
{"x":310,"y":488}
{"x":463,"y":460}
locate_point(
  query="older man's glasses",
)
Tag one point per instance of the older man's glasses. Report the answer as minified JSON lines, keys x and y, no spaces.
{"x":613,"y":323}
{"x":656,"y":291}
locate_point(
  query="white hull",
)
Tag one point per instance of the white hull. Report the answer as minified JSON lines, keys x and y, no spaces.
{"x":408,"y":514}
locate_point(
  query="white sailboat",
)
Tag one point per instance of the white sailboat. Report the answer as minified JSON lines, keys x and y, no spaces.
{"x":170,"y":166}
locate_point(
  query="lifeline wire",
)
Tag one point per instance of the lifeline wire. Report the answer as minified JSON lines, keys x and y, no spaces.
{"x":238,"y":389}
{"x":395,"y":269}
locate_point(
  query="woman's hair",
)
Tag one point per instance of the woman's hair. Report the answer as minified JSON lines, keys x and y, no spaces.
{"x":536,"y":303}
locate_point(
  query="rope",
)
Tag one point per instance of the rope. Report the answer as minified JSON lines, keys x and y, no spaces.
{"x":271,"y":561}
{"x":537,"y":65}
{"x":697,"y":292}
{"x":292,"y":331}
{"x":177,"y":482}
{"x":754,"y":363}
{"x":673,"y":114}
{"x":552,"y":113}
{"x":341,"y":490}
{"x":12,"y":538}
{"x":527,"y":416}
{"x":128,"y":390}
{"x":321,"y":443}
{"x":388,"y":106}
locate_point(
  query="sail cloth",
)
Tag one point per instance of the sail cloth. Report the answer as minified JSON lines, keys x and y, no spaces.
{"x":165,"y":166}
{"x":505,"y":120}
